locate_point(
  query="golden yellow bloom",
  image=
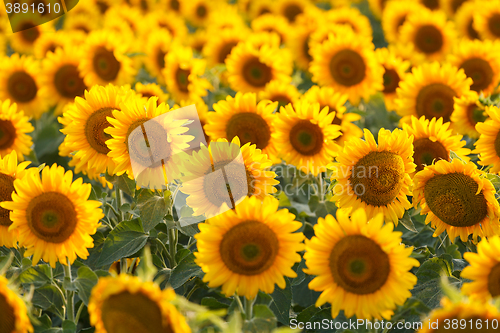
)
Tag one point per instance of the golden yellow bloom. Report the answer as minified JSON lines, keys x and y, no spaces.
{"x":226,"y":16}
{"x":49,"y":43}
{"x":125,"y":303}
{"x":250,"y":248}
{"x":484,"y":269}
{"x":297,"y":39}
{"x":151,"y":90}
{"x":488,"y":145}
{"x":430,"y":90}
{"x":458,"y":198}
{"x":170,"y":21}
{"x":347,"y":63}
{"x":487,"y":19}
{"x":362,"y":267}
{"x":14,"y":129}
{"x":452,"y":6}
{"x":375,"y":177}
{"x":198,"y":12}
{"x":9,"y":172}
{"x":272,"y":23}
{"x":32,"y":29}
{"x":433,"y":141}
{"x":281,"y":92}
{"x":290,"y":9}
{"x":82,"y":22}
{"x":197,"y":40}
{"x":20,"y":82}
{"x":14,"y":316}
{"x":52,"y":215}
{"x":216,"y":50}
{"x":210,"y":171}
{"x":131,"y":16}
{"x":377,"y":7}
{"x":258,"y":8}
{"x":157,"y":46}
{"x":395,"y":15}
{"x":464,"y":20}
{"x":394,"y":70}
{"x":351,"y":17}
{"x":305,"y":136}
{"x":467,"y":113}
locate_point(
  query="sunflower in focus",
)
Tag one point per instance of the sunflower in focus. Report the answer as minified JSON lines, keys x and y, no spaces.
{"x":464,"y":20}
{"x":14,"y":316}
{"x":241,"y":116}
{"x":62,"y":78}
{"x":20,"y":82}
{"x":250,"y":248}
{"x":149,"y":90}
{"x":14,"y":129}
{"x":430,"y":90}
{"x":352,"y":17}
{"x":104,"y":60}
{"x":434,"y":141}
{"x":126,"y":304}
{"x":52,"y":215}
{"x":10,"y":170}
{"x":488,"y":145}
{"x":224,"y":174}
{"x":395,"y":15}
{"x":305,"y":136}
{"x":30,"y":29}
{"x":281,"y":92}
{"x":458,"y":198}
{"x":374,"y":177}
{"x":250,"y":68}
{"x":183,"y":74}
{"x":394,"y":70}
{"x":484,"y":269}
{"x":479,"y":61}
{"x":467,"y":113}
{"x":487,"y":19}
{"x":216,"y":50}
{"x":146,"y":141}
{"x":362,"y":267}
{"x":347,"y":63}
{"x":430,"y":34}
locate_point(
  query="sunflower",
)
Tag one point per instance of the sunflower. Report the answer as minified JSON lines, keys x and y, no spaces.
{"x":14,"y":315}
{"x":250,"y":248}
{"x":146,"y":141}
{"x":28,"y":28}
{"x":395,"y":15}
{"x":258,"y":8}
{"x":458,"y":198}
{"x":225,"y":16}
{"x":272,"y":23}
{"x":280,"y":92}
{"x":157,"y":46}
{"x":198,"y":12}
{"x":467,"y":113}
{"x":352,"y":17}
{"x":62,"y":78}
{"x":321,"y":34}
{"x":362,"y":267}
{"x":488,"y":145}
{"x":433,"y":141}
{"x":172,"y":22}
{"x":347,"y":63}
{"x":451,"y":7}
{"x":394,"y":70}
{"x":20,"y":82}
{"x":104,"y":60}
{"x":487,"y":19}
{"x":49,"y":43}
{"x":464,"y":20}
{"x":52,"y":215}
{"x":430,"y":34}
{"x":374,"y":177}
{"x":484,"y":269}
{"x":224,"y":174}
{"x":9,"y":172}
{"x":479,"y":61}
{"x":430,"y":90}
{"x":85,"y":123}
{"x":471,"y":312}
{"x":250,"y":68}
{"x":198,"y":114}
{"x":298,"y":41}
{"x":241,"y":116}
{"x":197,"y":40}
{"x":126,"y":304}
{"x":183,"y":74}
{"x":14,"y":129}
{"x":129,"y":15}
{"x":83,"y":23}
{"x":305,"y":136}
{"x":170,"y":6}
{"x":377,"y":7}
{"x":151,"y":90}
{"x":216,"y":50}
{"x":290,"y":9}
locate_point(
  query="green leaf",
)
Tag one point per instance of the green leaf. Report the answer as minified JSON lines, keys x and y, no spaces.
{"x":152,"y":208}
{"x":282,"y":301}
{"x":262,"y":311}
{"x":433,"y":268}
{"x":188,"y":226}
{"x":49,"y":298}
{"x":42,"y":323}
{"x":300,"y":273}
{"x":68,"y":326}
{"x":126,"y":239}
{"x":313,"y":203}
{"x":214,"y":304}
{"x":260,"y":325}
{"x":407,"y":222}
{"x":84,"y":283}
{"x":123,"y":182}
{"x":185,"y":270}
{"x":430,"y":292}
{"x":37,"y":275}
{"x":495,"y":180}
{"x":306,"y":314}
{"x":283,"y":199}
{"x":146,"y":269}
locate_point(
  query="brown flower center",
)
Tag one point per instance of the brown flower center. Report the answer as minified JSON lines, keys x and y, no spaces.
{"x":225,"y":51}
{"x":249,"y":248}
{"x":428,"y":39}
{"x":291,"y":11}
{"x":377,"y":178}
{"x":7,"y":134}
{"x":201,"y":11}
{"x":494,"y":281}
{"x":175,"y":5}
{"x":431,"y":4}
{"x":452,"y":198}
{"x":306,"y":138}
{"x":6,"y":189}
{"x":94,"y":130}
{"x":29,"y":32}
{"x":256,"y":73}
{"x":473,"y":34}
{"x":22,"y":87}
{"x":105,"y":64}
{"x":7,"y":316}
{"x":347,"y":68}
{"x":391,"y":81}
{"x":160,"y":58}
{"x":455,"y":4}
{"x":475,"y":115}
{"x":359,"y":265}
{"x":249,"y":127}
{"x":427,"y":151}
{"x":480,"y":71}
{"x":127,"y":312}
{"x":494,"y":24}
{"x":52,"y":217}
{"x":147,"y":143}
{"x":435,"y":100}
{"x":305,"y":48}
{"x":68,"y":81}
{"x":182,"y":78}
{"x":497,"y":144}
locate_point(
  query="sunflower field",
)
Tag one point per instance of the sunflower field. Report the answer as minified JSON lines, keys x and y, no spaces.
{"x":175,"y":166}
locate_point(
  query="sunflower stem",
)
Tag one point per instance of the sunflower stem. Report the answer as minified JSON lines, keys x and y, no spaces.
{"x":123,"y":265}
{"x":79,"y":312}
{"x":118,"y":204}
{"x":321,"y":192}
{"x":240,"y":305}
{"x":70,"y":313}
{"x":249,"y":308}
{"x":172,"y":244}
